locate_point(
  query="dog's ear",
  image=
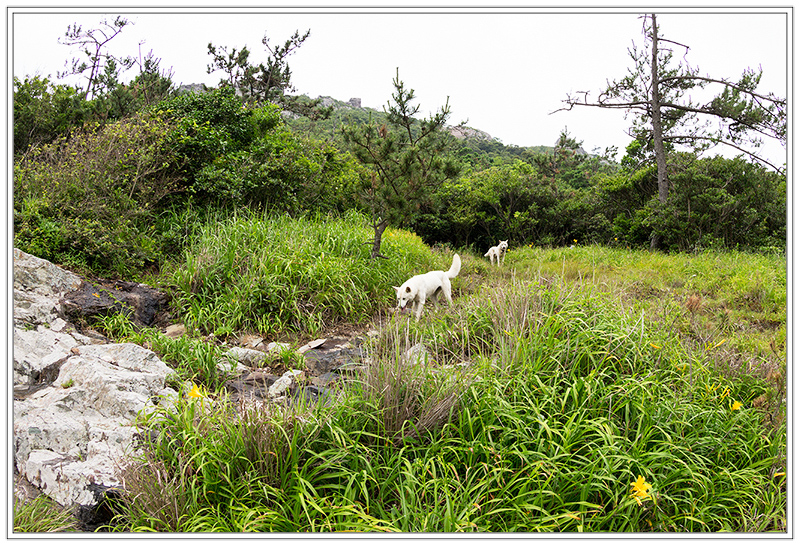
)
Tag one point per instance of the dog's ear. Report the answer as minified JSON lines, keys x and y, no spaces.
{"x":396,"y":289}
{"x":408,"y":289}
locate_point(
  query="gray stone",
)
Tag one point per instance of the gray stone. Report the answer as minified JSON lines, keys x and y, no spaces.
{"x":76,"y":432}
{"x":39,"y":353}
{"x":38,"y":287}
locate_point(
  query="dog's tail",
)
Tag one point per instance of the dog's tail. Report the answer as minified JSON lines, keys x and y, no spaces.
{"x":488,"y":252}
{"x":455,"y":268}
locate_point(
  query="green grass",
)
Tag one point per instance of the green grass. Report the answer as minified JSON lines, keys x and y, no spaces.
{"x":42,"y":515}
{"x":544,"y":396}
{"x":741,"y":297}
{"x":549,"y":386}
{"x":280,"y":274}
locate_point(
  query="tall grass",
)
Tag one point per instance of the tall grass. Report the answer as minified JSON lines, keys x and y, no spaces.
{"x":273,"y":274}
{"x":42,"y":515}
{"x":540,"y":401}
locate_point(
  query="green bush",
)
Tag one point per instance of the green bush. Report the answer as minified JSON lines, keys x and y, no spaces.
{"x":208,"y":125}
{"x":89,"y":201}
{"x":713,"y":203}
{"x":44,"y":111}
{"x":279,"y":171}
{"x":723,"y":203}
{"x":514,"y":202}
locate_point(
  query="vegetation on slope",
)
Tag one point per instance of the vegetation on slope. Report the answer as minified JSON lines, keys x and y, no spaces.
{"x":550,"y":387}
{"x":585,"y":386}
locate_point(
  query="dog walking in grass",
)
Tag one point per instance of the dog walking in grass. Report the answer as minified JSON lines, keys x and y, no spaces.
{"x":498,"y":252}
{"x":419,"y":288}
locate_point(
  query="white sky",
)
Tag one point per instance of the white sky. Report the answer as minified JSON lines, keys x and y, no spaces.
{"x":504,"y":69}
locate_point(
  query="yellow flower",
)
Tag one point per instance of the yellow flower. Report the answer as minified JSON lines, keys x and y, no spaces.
{"x":736,"y":405}
{"x":196,"y":392}
{"x":654,"y":346}
{"x":639,"y":490}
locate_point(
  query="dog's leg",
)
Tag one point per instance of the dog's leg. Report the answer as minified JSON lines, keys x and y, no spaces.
{"x":418,"y":303}
{"x":446,"y":292}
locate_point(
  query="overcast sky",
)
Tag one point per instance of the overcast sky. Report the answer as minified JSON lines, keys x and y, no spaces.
{"x":505,"y":71}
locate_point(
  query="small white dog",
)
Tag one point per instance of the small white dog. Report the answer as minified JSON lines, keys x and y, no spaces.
{"x":419,"y":288}
{"x":498,"y":252}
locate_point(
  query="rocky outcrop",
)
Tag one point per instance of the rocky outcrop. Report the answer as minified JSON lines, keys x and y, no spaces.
{"x":462,"y":132}
{"x":71,"y":436}
{"x":77,"y":395}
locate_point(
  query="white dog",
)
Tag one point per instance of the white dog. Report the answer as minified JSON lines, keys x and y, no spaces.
{"x":498,"y":252}
{"x":419,"y":288}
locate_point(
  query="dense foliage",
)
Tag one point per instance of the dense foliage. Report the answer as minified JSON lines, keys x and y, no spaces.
{"x":215,"y":151}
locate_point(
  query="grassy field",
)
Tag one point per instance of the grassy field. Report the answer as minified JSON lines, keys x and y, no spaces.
{"x":585,"y":389}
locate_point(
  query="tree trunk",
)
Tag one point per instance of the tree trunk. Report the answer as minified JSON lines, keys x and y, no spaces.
{"x":658,"y":141}
{"x":379,"y":228}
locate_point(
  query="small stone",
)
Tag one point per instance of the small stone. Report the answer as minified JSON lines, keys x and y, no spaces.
{"x":278,"y":346}
{"x":175,"y":330}
{"x":311,"y":345}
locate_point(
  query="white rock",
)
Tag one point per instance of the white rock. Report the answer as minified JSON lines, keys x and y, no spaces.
{"x":36,"y":352}
{"x":278,"y":346}
{"x":281,"y":385}
{"x":68,"y":480}
{"x":249,"y":357}
{"x":311,"y":345}
{"x":67,"y":439}
{"x":38,"y":286}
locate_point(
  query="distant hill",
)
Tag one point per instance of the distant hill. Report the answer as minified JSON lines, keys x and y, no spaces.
{"x":479,"y":145}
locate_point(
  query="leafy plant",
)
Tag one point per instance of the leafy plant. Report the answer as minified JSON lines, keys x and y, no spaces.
{"x":44,"y":111}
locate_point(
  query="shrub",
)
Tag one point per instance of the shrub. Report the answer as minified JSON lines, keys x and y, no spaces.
{"x":723,"y":203}
{"x":44,"y":111}
{"x":208,"y":125}
{"x":90,"y":200}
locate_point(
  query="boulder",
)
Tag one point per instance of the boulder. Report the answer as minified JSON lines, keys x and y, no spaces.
{"x":71,"y":437}
{"x":90,"y":300}
{"x":38,"y":287}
